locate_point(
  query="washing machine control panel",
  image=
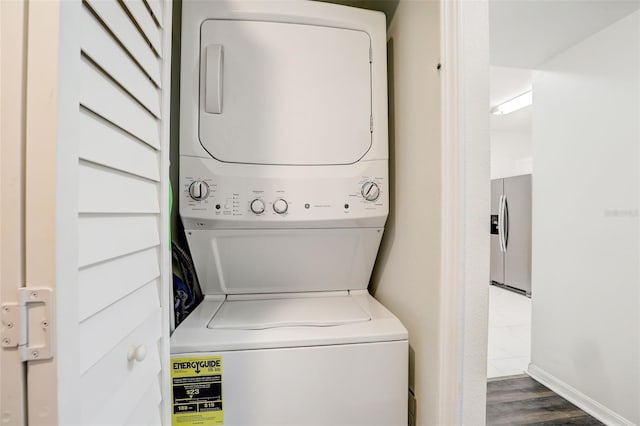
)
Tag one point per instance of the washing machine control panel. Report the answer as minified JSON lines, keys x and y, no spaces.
{"x":352,"y":193}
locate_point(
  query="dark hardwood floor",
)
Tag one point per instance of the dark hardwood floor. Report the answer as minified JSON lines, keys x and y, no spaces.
{"x":520,"y":400}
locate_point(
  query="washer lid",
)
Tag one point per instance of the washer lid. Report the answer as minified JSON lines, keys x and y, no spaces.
{"x":193,"y":335}
{"x":284,"y":94}
{"x":283,"y":311}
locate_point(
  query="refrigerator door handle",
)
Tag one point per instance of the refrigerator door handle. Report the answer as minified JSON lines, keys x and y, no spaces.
{"x":501,"y":223}
{"x":506,"y":223}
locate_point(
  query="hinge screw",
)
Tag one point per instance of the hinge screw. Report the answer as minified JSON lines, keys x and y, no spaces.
{"x":35,"y":354}
{"x":34,"y":294}
{"x":6,"y":342}
{"x":45,"y":324}
{"x":6,"y":309}
{"x":9,"y":324}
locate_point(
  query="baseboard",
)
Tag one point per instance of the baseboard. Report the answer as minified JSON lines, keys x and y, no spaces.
{"x":577,"y":398}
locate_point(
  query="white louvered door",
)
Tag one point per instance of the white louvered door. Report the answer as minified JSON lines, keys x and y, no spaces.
{"x":97,"y":218}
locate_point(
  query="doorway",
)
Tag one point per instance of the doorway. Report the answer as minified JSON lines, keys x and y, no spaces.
{"x":578,"y":139}
{"x":509,"y":343}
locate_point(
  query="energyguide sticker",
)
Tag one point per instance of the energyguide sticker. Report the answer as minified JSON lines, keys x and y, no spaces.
{"x":197,"y":391}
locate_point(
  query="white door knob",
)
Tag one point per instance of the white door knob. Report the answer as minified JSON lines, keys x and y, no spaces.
{"x":138,"y":353}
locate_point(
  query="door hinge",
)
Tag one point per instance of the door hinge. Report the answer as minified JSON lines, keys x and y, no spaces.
{"x":33,"y":340}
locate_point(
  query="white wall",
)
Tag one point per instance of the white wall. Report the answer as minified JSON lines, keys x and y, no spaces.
{"x":511,"y":154}
{"x":406,"y":278}
{"x":585,"y":322}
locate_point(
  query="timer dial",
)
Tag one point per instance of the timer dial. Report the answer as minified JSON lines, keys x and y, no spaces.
{"x":280,"y":206}
{"x":199,"y":190}
{"x":370,"y":191}
{"x":257,"y":206}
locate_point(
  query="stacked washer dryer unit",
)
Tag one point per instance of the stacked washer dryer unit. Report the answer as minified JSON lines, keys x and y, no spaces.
{"x":284,"y":196}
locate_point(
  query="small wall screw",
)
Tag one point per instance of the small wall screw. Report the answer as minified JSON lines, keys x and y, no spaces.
{"x":44,"y":324}
{"x":6,"y":342}
{"x":6,"y":309}
{"x":9,"y":324}
{"x":35,"y":354}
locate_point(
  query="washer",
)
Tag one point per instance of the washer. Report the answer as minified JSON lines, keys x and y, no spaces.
{"x":284,"y":197}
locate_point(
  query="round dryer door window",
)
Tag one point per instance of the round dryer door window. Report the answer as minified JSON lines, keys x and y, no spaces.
{"x":285,"y":94}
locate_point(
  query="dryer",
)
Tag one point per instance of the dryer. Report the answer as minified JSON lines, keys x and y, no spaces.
{"x":284,"y":197}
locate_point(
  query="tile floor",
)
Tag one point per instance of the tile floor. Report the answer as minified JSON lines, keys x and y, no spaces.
{"x":509,"y":333}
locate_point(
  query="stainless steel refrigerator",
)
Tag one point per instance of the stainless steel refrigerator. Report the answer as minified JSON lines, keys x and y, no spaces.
{"x":511,"y":233}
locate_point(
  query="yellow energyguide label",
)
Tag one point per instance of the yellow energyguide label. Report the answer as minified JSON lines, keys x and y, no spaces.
{"x":197,"y":391}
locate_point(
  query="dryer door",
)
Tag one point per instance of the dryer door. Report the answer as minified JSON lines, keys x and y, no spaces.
{"x":282,"y":93}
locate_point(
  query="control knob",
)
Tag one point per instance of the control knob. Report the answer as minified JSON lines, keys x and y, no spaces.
{"x":280,"y":206}
{"x":257,"y":206}
{"x":199,"y":190}
{"x":370,"y":191}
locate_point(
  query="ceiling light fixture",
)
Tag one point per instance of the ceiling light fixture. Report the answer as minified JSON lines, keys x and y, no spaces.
{"x":514,"y":104}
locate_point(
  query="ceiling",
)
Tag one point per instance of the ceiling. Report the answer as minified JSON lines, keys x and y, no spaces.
{"x":526,"y":33}
{"x":505,"y":84}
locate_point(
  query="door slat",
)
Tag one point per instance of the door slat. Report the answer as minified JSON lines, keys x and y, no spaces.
{"x":102,"y":237}
{"x":145,"y":21}
{"x":116,"y":19}
{"x":102,"y":284}
{"x":99,"y":94}
{"x":104,"y":50}
{"x":104,"y":190}
{"x":104,"y":143}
